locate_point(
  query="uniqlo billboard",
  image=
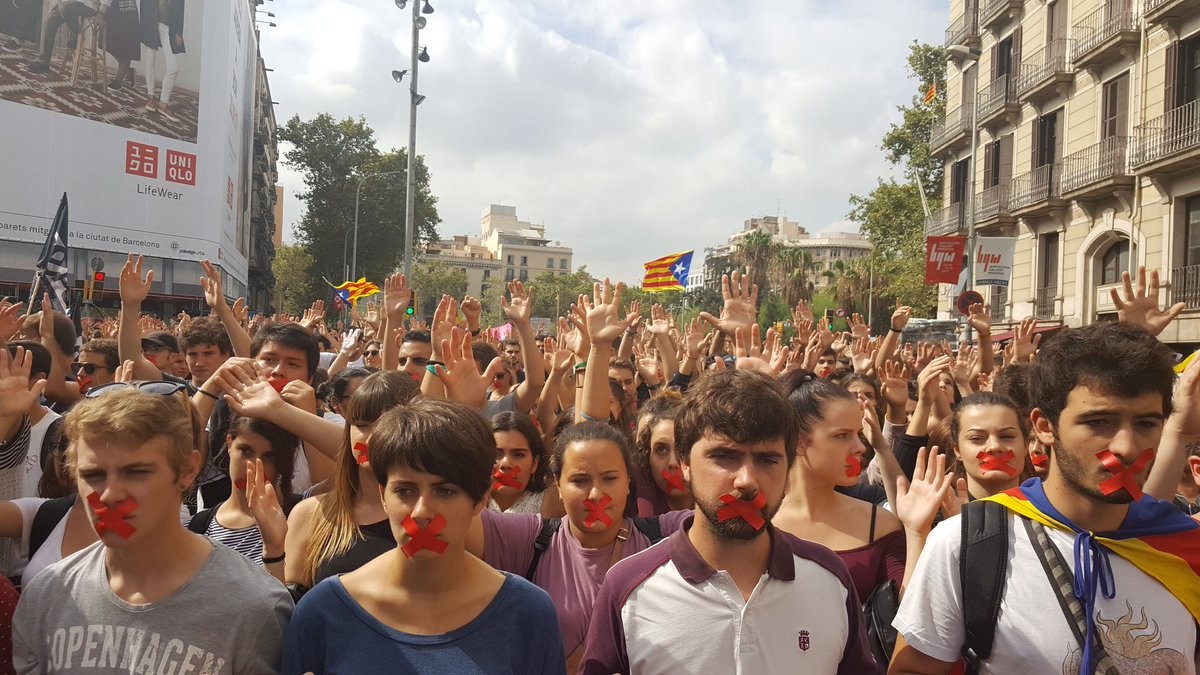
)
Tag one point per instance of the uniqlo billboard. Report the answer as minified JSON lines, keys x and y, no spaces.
{"x":170,"y":179}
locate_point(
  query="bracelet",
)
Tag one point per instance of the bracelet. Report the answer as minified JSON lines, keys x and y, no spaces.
{"x":432,"y":362}
{"x":210,"y":395}
{"x":580,"y":367}
{"x":271,"y":561}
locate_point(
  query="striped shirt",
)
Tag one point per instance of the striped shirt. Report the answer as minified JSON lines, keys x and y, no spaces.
{"x":247,"y":540}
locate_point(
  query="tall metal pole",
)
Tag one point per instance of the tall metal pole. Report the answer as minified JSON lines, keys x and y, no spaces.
{"x":971,"y":199}
{"x":354,"y":259}
{"x":410,"y":201}
{"x":871,"y":294}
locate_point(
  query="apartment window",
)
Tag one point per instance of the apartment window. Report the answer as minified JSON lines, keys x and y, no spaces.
{"x":999,"y":302}
{"x":508,"y":274}
{"x":1115,"y":261}
{"x":524,"y":275}
{"x":991,"y":164}
{"x":550,"y":263}
{"x":1056,"y":21}
{"x":562,"y":263}
{"x":1191,"y":232}
{"x":1189,"y":73}
{"x":1114,"y":112}
{"x":487,"y":274}
{"x":1047,"y":146}
{"x":1002,"y":57}
{"x":510,"y":260}
{"x":524,"y":260}
{"x":958,"y":181}
{"x":1048,"y":261}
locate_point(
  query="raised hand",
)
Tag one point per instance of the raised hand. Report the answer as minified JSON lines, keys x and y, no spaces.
{"x":917,"y":503}
{"x":980,"y":317}
{"x":573,"y":333}
{"x":125,"y":371}
{"x":741,"y":302}
{"x":751,"y":356}
{"x":396,"y":297}
{"x":659,"y":321}
{"x":211,"y":283}
{"x":802,"y":313}
{"x":1141,"y":307}
{"x":894,"y":384}
{"x":901,"y":316}
{"x":1025,"y":341}
{"x":693,"y":338}
{"x":519,"y":310}
{"x":472,"y":310}
{"x":314,"y":315}
{"x":10,"y":320}
{"x":16,"y":395}
{"x":133,"y":286}
{"x":258,"y":400}
{"x":858,"y":327}
{"x":862,"y":355}
{"x":460,"y":376}
{"x":603,"y":322}
{"x":445,"y":317}
{"x":264,"y":505}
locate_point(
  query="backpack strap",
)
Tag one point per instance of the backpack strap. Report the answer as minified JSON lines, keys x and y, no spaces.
{"x":650,"y":527}
{"x":48,"y":515}
{"x":200,"y":522}
{"x":982,"y":566}
{"x":549,"y":527}
{"x":51,"y":439}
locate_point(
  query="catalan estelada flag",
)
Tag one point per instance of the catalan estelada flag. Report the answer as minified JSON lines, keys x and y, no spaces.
{"x":351,"y":291}
{"x":1156,"y":537}
{"x":668,"y":273}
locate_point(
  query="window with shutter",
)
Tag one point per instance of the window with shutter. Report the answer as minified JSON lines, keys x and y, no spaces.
{"x":1115,"y":107}
{"x":1171,"y":76}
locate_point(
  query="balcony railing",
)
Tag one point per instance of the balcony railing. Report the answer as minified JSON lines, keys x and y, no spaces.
{"x":965,"y":27}
{"x":1091,"y":165}
{"x":1166,"y":135}
{"x":1185,"y":286}
{"x":945,"y":221}
{"x":1035,"y":187}
{"x":1044,"y":303}
{"x":999,"y":94}
{"x":999,"y":302}
{"x":1037,"y":69}
{"x":1101,"y":25}
{"x":955,"y":123}
{"x":993,"y":202}
{"x":1152,"y":5}
{"x":990,"y":11}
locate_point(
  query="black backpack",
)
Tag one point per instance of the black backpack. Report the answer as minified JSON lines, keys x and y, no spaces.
{"x":650,"y":527}
{"x":47,"y":516}
{"x":982,"y":566}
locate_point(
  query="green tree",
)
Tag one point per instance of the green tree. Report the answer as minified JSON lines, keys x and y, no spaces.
{"x":432,"y":279}
{"x":756,"y":252}
{"x":292,"y":268}
{"x":554,"y":293}
{"x":333,"y":156}
{"x":891,"y":215}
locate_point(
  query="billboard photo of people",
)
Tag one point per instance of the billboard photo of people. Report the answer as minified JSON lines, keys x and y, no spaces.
{"x":130,"y":63}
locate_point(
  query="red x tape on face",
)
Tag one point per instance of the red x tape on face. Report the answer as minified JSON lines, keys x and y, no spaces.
{"x":422,"y":538}
{"x":853,"y":466}
{"x":112,"y":518}
{"x":1040,"y":459}
{"x":1000,"y":462}
{"x":749,"y":511}
{"x":361,"y":453}
{"x":277,"y":382}
{"x":674,"y":480}
{"x":503,"y":479}
{"x":596,"y":512}
{"x":1123,"y":478}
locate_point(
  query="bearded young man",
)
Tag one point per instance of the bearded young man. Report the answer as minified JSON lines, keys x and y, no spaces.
{"x":728,"y":592}
{"x":1099,"y":577}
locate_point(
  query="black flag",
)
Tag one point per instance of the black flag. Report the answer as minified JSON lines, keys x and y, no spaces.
{"x":52,"y":270}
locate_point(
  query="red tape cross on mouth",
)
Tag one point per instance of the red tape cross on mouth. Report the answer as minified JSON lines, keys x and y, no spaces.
{"x":749,"y":511}
{"x":503,"y":479}
{"x":361,"y":454}
{"x":112,"y":518}
{"x":853,"y":466}
{"x":424,"y":537}
{"x":1123,"y":477}
{"x":674,"y":480}
{"x":1000,"y":462}
{"x":596,"y":512}
{"x":1040,"y":459}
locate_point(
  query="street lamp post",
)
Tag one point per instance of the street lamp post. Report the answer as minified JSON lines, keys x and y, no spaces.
{"x":357,"y":193}
{"x":970,"y":57}
{"x":418,"y":55}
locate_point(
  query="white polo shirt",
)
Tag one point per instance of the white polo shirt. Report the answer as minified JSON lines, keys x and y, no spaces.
{"x":665,"y":610}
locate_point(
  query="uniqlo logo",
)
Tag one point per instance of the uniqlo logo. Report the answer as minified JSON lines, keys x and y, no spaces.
{"x":141,"y":159}
{"x":181,"y":167}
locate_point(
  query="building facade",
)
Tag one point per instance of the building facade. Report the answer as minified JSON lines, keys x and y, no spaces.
{"x":265,"y":199}
{"x":1087,"y":124}
{"x":507,"y":249}
{"x":826,"y":252}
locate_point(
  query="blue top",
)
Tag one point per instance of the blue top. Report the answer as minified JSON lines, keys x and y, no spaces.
{"x":516,"y":633}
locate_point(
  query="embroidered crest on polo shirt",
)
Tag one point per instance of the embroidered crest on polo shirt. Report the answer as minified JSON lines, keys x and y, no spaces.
{"x":804,"y":644}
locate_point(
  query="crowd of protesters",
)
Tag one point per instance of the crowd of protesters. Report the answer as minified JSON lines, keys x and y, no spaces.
{"x":632,"y":494}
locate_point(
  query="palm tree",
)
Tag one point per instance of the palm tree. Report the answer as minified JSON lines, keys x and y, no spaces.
{"x":755,"y":252}
{"x":792,"y":266}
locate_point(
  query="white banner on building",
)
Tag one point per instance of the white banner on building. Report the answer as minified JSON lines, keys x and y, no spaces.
{"x":172,"y":184}
{"x":994,"y":260}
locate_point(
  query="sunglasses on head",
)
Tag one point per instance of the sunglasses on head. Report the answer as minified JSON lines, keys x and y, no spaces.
{"x":156,"y":387}
{"x":87,"y":368}
{"x":372,"y":352}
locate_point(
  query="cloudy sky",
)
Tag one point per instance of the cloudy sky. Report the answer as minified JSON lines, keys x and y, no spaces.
{"x":630,"y":129}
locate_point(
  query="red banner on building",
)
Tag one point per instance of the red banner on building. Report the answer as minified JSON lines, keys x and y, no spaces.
{"x":943,"y":259}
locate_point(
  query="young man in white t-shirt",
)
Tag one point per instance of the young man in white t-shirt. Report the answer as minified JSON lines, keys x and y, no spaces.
{"x":1102,"y":395}
{"x":149,"y":596}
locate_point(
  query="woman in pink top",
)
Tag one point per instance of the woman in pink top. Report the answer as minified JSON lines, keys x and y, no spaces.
{"x":590,"y":463}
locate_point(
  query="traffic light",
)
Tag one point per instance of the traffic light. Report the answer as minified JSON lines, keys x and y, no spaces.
{"x":411,"y":310}
{"x":97,"y":283}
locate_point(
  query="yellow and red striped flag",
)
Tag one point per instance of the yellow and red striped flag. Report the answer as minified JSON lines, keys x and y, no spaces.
{"x":351,"y":291}
{"x":931,"y":93}
{"x":668,"y":273}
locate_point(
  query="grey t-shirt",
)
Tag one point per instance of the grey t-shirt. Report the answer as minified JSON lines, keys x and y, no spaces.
{"x":229,"y":618}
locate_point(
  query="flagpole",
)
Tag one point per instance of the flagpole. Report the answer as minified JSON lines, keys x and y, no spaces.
{"x":33,"y":291}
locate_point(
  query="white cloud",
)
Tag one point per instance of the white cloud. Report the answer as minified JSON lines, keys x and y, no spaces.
{"x":630,"y":129}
